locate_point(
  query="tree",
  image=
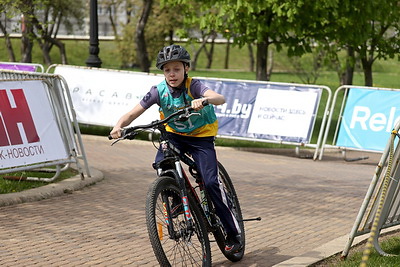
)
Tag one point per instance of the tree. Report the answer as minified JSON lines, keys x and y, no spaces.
{"x":186,"y":26}
{"x":365,"y":31}
{"x":26,"y":9}
{"x":47,"y":20}
{"x":123,"y":27}
{"x":308,"y":69}
{"x":7,"y":11}
{"x":11,"y":55}
{"x":247,"y":22}
{"x":27,"y":28}
{"x":379,"y":39}
{"x":210,"y":53}
{"x":40,"y":22}
{"x":154,"y":32}
{"x":141,"y":50}
{"x":204,"y":37}
{"x":161,"y":28}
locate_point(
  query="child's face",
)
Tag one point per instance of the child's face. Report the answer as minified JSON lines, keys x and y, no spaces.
{"x":174,"y":73}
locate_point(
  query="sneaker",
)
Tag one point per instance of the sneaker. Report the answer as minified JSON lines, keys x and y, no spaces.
{"x":176,"y":210}
{"x":232,"y":244}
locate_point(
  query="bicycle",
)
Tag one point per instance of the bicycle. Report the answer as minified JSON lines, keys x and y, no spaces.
{"x":182,"y":238}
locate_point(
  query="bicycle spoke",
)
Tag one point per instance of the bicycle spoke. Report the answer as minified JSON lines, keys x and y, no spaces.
{"x":176,"y":242}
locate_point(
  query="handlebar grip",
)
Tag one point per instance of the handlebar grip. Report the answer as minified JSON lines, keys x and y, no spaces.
{"x":204,"y":103}
{"x":123,"y":132}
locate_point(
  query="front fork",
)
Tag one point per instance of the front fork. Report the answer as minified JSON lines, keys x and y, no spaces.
{"x":185,"y":232}
{"x":185,"y":202}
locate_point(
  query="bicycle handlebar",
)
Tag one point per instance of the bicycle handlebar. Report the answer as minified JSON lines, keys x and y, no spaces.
{"x":183,"y":114}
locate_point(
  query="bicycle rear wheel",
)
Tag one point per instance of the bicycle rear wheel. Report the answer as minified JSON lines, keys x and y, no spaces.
{"x":233,"y":201}
{"x":180,"y":246}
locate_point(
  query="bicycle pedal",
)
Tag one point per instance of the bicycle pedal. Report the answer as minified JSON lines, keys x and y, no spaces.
{"x":251,"y":219}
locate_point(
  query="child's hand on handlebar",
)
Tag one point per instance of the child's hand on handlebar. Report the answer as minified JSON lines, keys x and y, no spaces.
{"x":199,"y":103}
{"x":116,"y":133}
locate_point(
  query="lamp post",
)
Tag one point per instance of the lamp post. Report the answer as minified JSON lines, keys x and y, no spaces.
{"x":93,"y":59}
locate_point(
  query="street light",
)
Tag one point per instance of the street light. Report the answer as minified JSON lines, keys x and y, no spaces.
{"x":93,"y":59}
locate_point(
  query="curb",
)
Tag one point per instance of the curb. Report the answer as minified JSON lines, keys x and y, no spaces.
{"x":329,"y":249}
{"x":66,"y":186}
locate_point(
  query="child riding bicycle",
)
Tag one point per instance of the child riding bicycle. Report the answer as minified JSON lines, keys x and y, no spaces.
{"x":196,"y":135}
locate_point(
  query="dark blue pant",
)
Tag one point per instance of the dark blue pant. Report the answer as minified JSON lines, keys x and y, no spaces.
{"x":203,"y":152}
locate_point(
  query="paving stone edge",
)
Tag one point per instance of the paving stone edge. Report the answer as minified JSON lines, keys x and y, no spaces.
{"x":329,"y":249}
{"x":66,"y":186}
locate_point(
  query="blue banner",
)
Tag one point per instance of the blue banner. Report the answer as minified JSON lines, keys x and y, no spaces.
{"x":368,"y":118}
{"x":279,"y":112}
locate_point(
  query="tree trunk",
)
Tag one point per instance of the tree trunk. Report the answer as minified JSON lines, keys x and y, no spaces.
{"x":262,"y":54}
{"x":367,"y":67}
{"x":141,"y":48}
{"x":26,"y":40}
{"x":111,"y":18}
{"x":63,"y":52}
{"x":210,"y":53}
{"x":227,"y":51}
{"x":171,"y":37}
{"x":46,"y":48}
{"x":46,"y":43}
{"x":10,"y":50}
{"x":270,"y":64}
{"x":197,"y":53}
{"x":350,"y":61}
{"x":251,"y":57}
{"x":46,"y":53}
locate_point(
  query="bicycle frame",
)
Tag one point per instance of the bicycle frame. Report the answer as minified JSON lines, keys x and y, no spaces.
{"x":171,"y":165}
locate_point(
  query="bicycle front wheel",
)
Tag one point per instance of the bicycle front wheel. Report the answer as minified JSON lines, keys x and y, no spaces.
{"x":175,"y":242}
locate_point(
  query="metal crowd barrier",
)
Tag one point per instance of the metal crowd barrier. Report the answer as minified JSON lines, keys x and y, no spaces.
{"x":65,"y":116}
{"x":381,"y":206}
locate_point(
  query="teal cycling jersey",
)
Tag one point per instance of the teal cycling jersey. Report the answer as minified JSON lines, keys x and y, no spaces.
{"x":204,"y":124}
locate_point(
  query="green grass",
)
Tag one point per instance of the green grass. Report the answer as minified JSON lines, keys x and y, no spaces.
{"x":385,"y":72}
{"x":390,"y":243}
{"x":12,"y":186}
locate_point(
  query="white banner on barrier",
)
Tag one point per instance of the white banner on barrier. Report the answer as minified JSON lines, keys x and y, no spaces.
{"x":283,"y":112}
{"x":101,"y":97}
{"x":267,"y":111}
{"x":260,"y":110}
{"x":29,"y":132}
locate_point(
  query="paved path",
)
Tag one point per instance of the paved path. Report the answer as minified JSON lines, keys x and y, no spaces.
{"x":304,"y":204}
